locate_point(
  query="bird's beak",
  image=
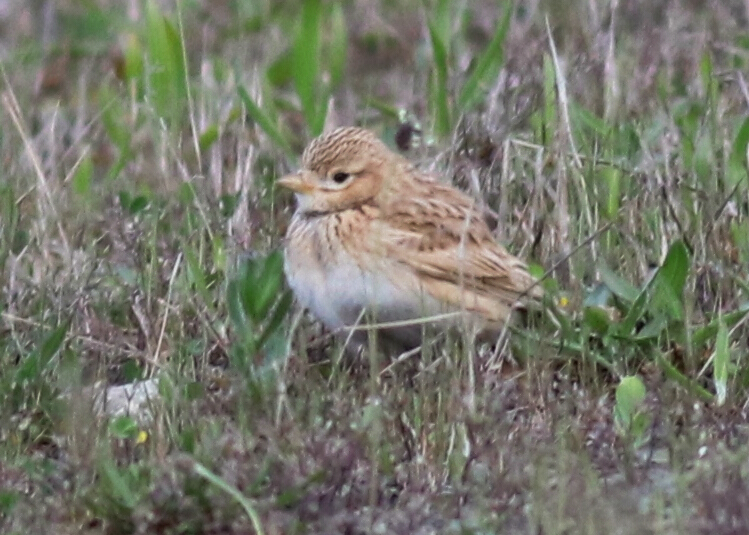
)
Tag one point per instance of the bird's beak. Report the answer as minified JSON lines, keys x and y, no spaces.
{"x":295,"y":183}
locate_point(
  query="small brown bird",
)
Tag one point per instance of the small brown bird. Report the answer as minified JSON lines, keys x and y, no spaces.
{"x":374,"y":237}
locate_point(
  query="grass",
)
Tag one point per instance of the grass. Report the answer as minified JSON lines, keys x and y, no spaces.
{"x":140,"y":236}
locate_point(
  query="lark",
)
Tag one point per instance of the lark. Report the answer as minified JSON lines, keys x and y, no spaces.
{"x":375,"y":239}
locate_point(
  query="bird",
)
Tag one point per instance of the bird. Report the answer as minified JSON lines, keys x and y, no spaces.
{"x":375,"y":239}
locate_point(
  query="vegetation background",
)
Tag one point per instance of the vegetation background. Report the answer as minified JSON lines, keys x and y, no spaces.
{"x":139,"y":263}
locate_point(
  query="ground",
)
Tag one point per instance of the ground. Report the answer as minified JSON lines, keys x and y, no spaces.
{"x":140,"y":257}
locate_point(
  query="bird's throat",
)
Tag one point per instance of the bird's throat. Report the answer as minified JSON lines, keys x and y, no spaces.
{"x":358,"y":206}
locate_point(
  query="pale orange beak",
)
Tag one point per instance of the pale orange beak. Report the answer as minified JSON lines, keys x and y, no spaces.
{"x":295,"y":183}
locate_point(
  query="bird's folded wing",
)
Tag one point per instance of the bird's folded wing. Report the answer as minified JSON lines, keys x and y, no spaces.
{"x":457,"y":261}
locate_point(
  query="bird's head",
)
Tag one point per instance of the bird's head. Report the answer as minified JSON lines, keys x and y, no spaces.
{"x":343,"y":168}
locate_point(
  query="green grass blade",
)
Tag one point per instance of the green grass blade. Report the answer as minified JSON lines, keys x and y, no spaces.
{"x":208,"y":137}
{"x":83,"y":176}
{"x":118,"y":484}
{"x":167,"y":70}
{"x":705,"y":333}
{"x":113,"y":119}
{"x":338,"y":45}
{"x":307,"y":65}
{"x":264,"y":121}
{"x":488,"y":64}
{"x":194,"y":273}
{"x":682,"y":380}
{"x":612,"y":177}
{"x":737,"y":166}
{"x":439,"y":93}
{"x":242,"y":500}
{"x":52,"y":344}
{"x":720,"y":364}
{"x":441,"y":19}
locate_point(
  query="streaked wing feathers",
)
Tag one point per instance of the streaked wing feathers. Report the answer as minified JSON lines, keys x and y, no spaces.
{"x":444,"y":239}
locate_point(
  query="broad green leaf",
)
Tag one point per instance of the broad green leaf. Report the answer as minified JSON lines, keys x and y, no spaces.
{"x":635,"y":313}
{"x":268,"y":283}
{"x":123,"y":427}
{"x":639,"y":426}
{"x":137,"y":204}
{"x":132,"y":370}
{"x":8,"y":500}
{"x":124,"y":197}
{"x":652,"y":329}
{"x":229,"y":204}
{"x":630,"y":394}
{"x":668,"y":287}
{"x":83,"y":176}
{"x":281,"y":71}
{"x":208,"y":137}
{"x":236,"y":309}
{"x":599,"y":296}
{"x":282,"y":308}
{"x":597,"y":319}
{"x":248,"y":290}
{"x":618,"y":286}
{"x":675,"y":267}
{"x":29,"y":368}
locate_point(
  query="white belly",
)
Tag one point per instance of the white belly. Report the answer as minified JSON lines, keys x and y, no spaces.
{"x":339,"y":294}
{"x":343,"y":292}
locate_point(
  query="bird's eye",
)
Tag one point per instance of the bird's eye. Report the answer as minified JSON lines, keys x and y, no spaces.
{"x":340,"y":177}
